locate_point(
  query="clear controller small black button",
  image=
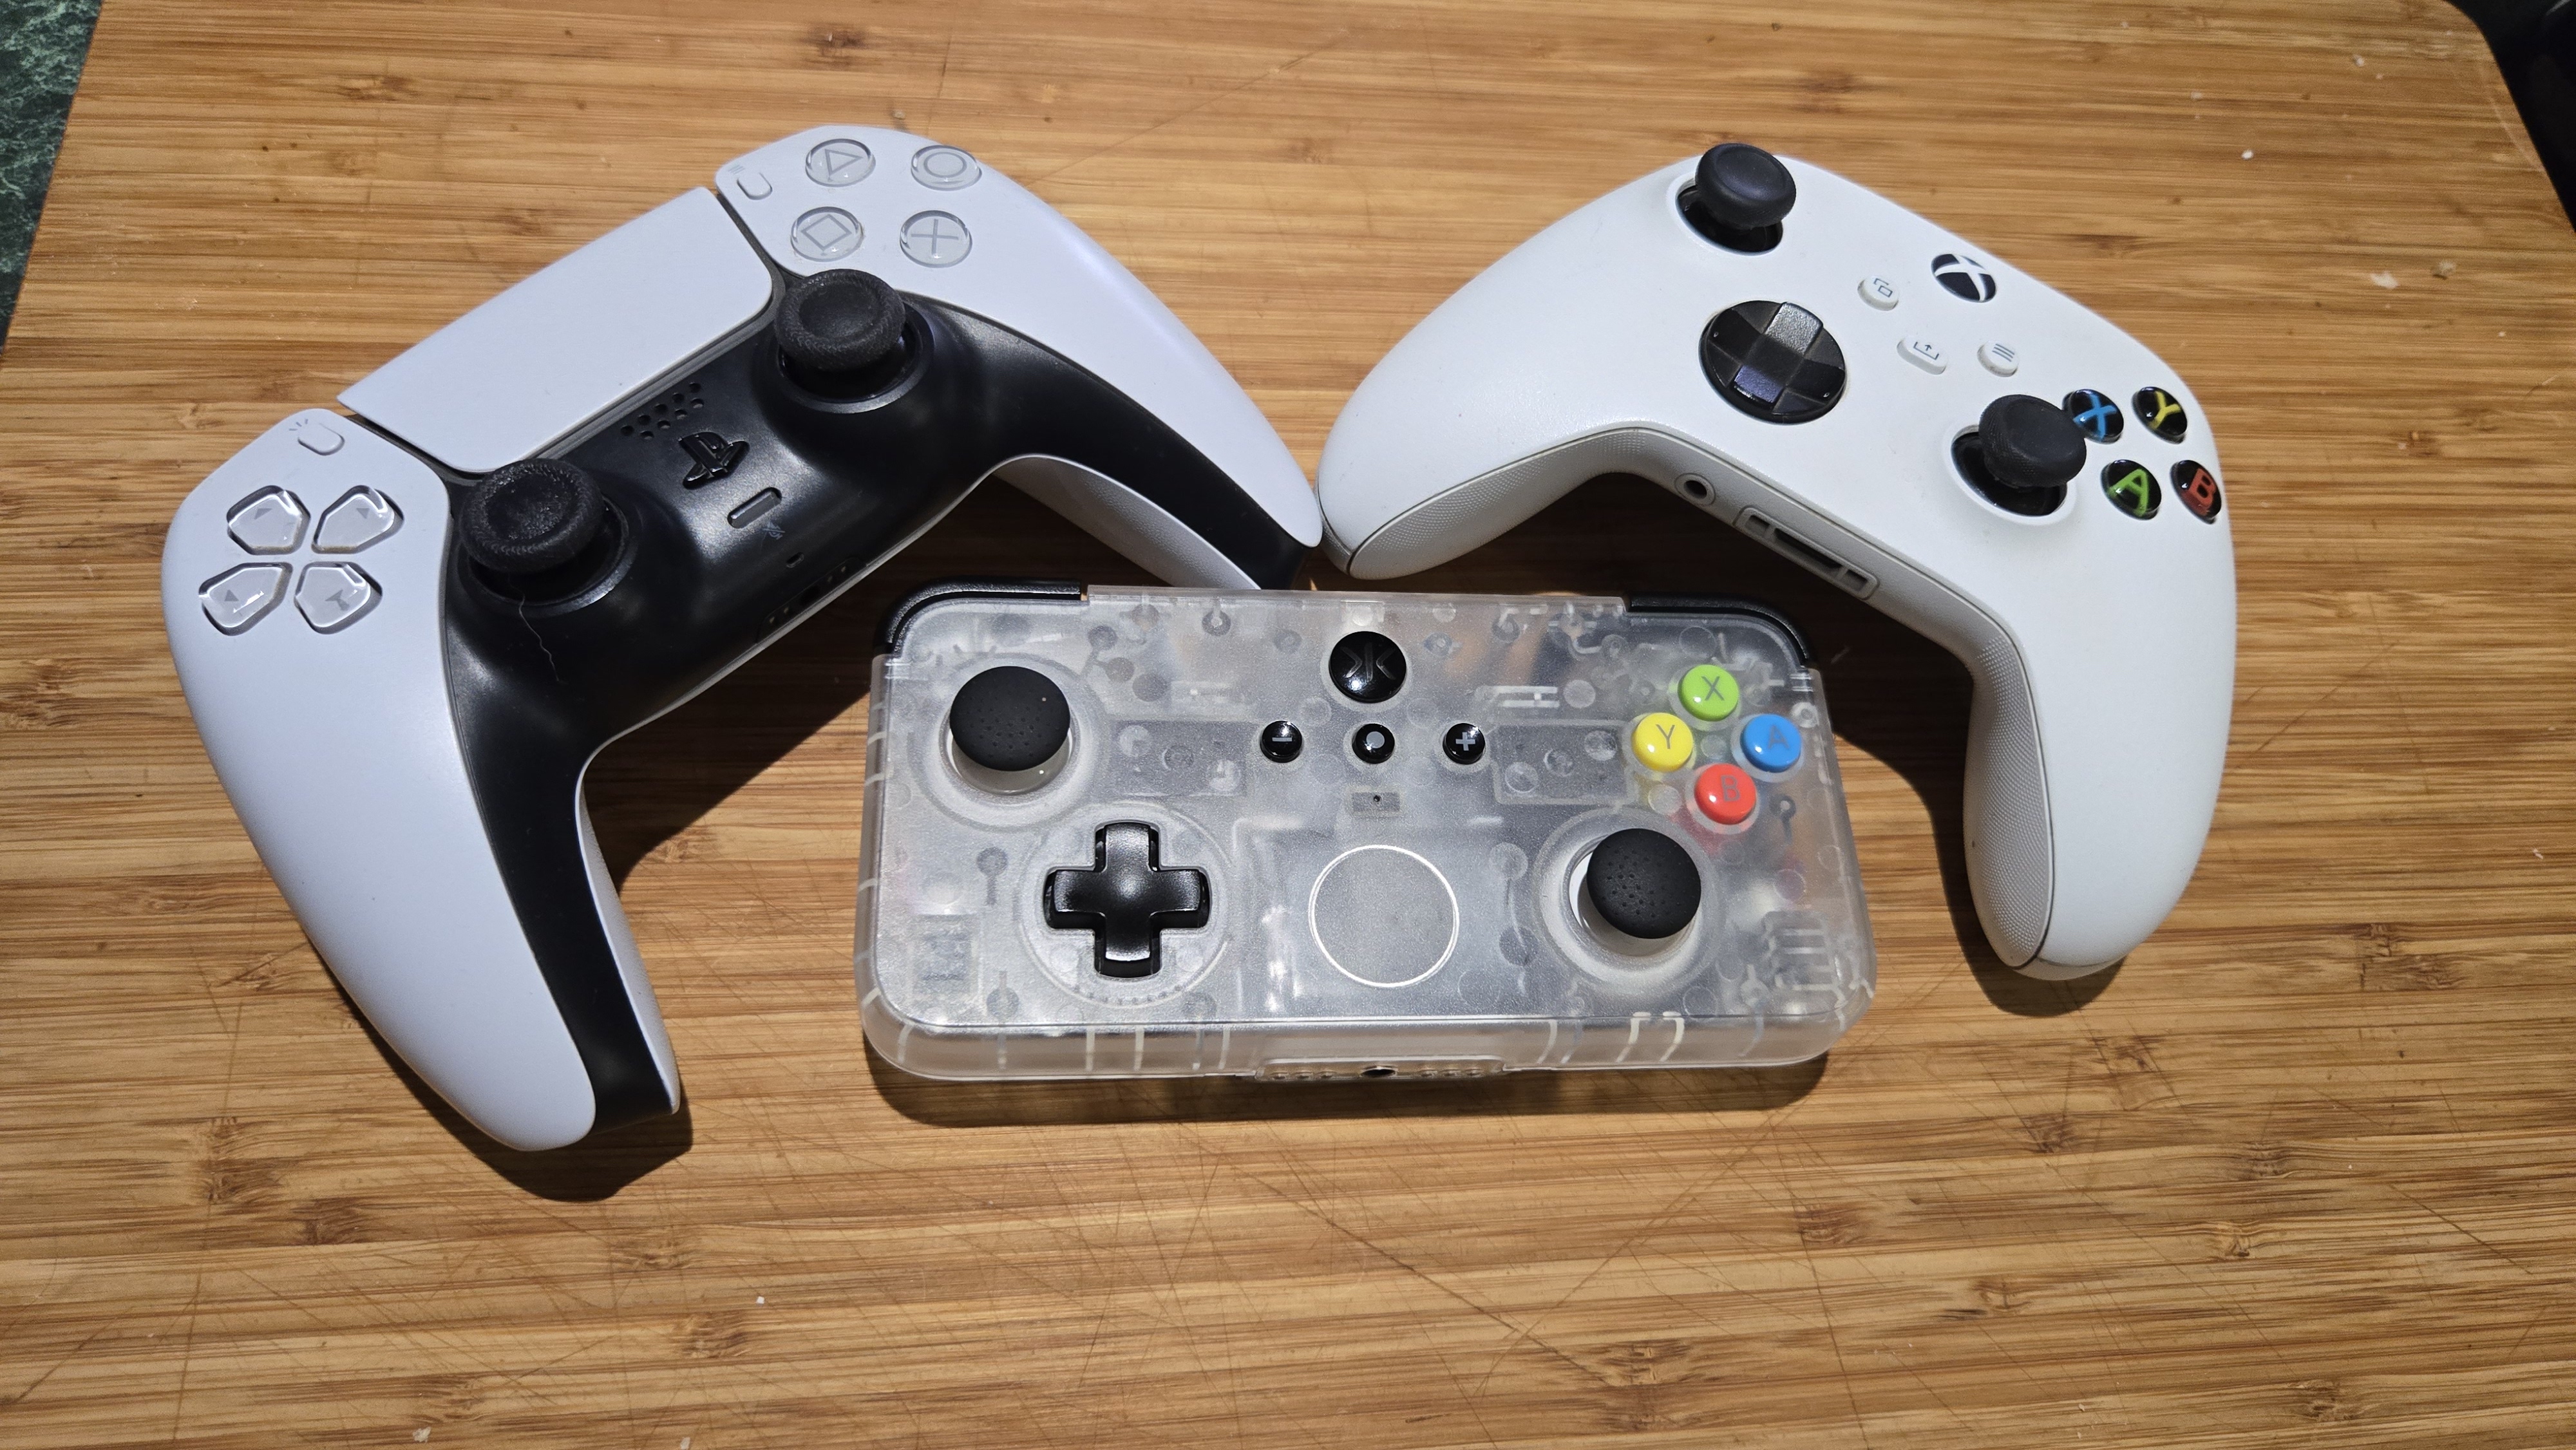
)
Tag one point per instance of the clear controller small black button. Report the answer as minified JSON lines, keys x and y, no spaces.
{"x":1373,"y":743}
{"x":1281,"y":741}
{"x":1464,"y":744}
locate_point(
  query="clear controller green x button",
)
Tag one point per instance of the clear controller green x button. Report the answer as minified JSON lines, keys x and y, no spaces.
{"x":1709,"y":692}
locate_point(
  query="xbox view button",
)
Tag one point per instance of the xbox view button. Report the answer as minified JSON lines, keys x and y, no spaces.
{"x":1771,"y":743}
{"x":1709,"y":692}
{"x":1663,"y":742}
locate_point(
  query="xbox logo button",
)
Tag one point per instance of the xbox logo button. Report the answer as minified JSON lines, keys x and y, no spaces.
{"x":1965,"y":277}
{"x":1773,"y":360}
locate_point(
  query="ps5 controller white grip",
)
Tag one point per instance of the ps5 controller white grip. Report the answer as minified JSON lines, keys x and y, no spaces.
{"x":2102,"y":646}
{"x":340,"y":754}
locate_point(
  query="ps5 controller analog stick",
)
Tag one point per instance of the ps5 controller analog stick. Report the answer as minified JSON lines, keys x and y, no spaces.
{"x":526,"y":518}
{"x":1644,"y":883}
{"x":1010,"y":718}
{"x":2029,"y":443}
{"x":839,"y":322}
{"x":1743,"y":188}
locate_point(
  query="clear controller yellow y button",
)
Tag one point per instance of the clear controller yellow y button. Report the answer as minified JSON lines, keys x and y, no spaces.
{"x":1710,"y":692}
{"x":1663,"y":741}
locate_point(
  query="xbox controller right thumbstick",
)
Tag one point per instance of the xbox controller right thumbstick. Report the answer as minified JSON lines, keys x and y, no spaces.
{"x":528,"y":517}
{"x":2029,"y":443}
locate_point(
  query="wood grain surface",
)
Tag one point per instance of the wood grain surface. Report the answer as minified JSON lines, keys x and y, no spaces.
{"x":2297,"y":1174}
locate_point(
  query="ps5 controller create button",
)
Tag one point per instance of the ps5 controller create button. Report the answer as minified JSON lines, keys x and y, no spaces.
{"x":1663,"y":741}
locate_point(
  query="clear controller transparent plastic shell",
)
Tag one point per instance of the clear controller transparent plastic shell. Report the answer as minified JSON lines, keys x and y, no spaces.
{"x":1420,"y":916}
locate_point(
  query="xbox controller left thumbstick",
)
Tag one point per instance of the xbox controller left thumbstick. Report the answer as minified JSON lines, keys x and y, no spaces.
{"x":1010,"y":718}
{"x":1743,"y":188}
{"x":526,"y":518}
{"x":839,"y":325}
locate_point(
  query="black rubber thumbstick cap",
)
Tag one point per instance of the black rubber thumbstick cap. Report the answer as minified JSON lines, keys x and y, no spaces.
{"x":2029,"y":443}
{"x":839,"y":322}
{"x":1010,"y":718}
{"x":1743,"y":188}
{"x":526,"y":518}
{"x":1367,"y":666}
{"x":1644,"y":883}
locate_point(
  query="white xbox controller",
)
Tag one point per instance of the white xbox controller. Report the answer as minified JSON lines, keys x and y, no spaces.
{"x":1902,"y":413}
{"x":405,"y":635}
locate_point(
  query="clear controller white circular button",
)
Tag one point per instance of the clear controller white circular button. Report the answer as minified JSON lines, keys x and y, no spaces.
{"x":936,"y":239}
{"x":2001,"y":359}
{"x":270,"y":521}
{"x":839,"y":162}
{"x":1878,"y":292}
{"x":334,"y":596}
{"x":945,"y":168}
{"x":825,"y":234}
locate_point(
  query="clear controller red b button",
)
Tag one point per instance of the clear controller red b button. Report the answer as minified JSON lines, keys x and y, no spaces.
{"x":1725,"y":794}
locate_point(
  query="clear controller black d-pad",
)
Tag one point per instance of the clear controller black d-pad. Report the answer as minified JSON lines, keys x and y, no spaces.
{"x":1126,"y":900}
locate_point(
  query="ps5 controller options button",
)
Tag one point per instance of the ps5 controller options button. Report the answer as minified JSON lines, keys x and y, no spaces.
{"x":1282,"y":742}
{"x":936,"y":239}
{"x":1127,"y":900}
{"x":1710,"y":691}
{"x":241,"y":597}
{"x":840,"y":162}
{"x":270,"y":521}
{"x":1663,"y":741}
{"x":2197,"y":487}
{"x":825,"y":234}
{"x":2162,"y":413}
{"x":1725,"y":794}
{"x":361,"y":517}
{"x":1643,"y":883}
{"x":1464,"y":744}
{"x":945,"y":168}
{"x":1773,"y":360}
{"x":1010,"y":718}
{"x":2095,"y":413}
{"x":1367,"y":666}
{"x":1771,"y":743}
{"x":334,"y":596}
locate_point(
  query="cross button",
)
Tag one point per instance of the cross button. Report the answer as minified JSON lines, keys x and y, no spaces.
{"x":1127,"y":900}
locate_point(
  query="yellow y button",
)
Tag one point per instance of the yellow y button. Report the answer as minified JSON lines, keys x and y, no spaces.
{"x":1663,"y":742}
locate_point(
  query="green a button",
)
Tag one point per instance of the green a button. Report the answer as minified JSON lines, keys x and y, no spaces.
{"x":1710,"y":692}
{"x":2131,"y":488}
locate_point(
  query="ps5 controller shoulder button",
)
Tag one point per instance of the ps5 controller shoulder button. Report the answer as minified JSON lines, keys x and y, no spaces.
{"x":1643,"y":883}
{"x":270,"y":521}
{"x":1725,"y":794}
{"x":362,"y":517}
{"x":1663,"y":741}
{"x":2095,"y":414}
{"x":1710,"y":691}
{"x":335,"y":596}
{"x":2197,"y":487}
{"x":1771,"y":743}
{"x":2131,"y":488}
{"x":2162,"y":413}
{"x":1282,"y":741}
{"x":243,"y":595}
{"x":1009,"y":718}
{"x":945,"y":168}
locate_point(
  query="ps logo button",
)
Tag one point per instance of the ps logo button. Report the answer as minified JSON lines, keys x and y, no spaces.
{"x":241,"y":597}
{"x":1964,"y":277}
{"x":270,"y":521}
{"x":936,"y":239}
{"x":825,"y":234}
{"x":2162,"y":414}
{"x":361,"y":518}
{"x":839,"y":162}
{"x":2095,"y":413}
{"x":2197,"y":487}
{"x":334,"y":596}
{"x":711,"y":456}
{"x":945,"y":168}
{"x":2131,"y":488}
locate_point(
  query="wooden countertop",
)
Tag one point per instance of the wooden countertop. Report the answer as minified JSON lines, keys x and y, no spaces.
{"x":2298,"y":1174}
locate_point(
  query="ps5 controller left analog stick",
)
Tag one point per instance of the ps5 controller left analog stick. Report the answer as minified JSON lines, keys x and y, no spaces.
{"x":841,"y":330}
{"x":526,"y":518}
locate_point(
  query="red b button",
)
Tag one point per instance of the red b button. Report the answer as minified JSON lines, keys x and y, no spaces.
{"x":1725,"y":795}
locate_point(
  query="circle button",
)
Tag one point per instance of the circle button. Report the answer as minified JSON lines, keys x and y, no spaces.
{"x":1771,"y":743}
{"x":1710,"y":692}
{"x":1663,"y":742}
{"x":839,"y":162}
{"x":936,"y":239}
{"x":825,"y":234}
{"x":1773,"y":360}
{"x":1725,"y":794}
{"x":945,"y":168}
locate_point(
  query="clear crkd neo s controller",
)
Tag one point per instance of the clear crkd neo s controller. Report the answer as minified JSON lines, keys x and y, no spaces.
{"x":405,"y":635}
{"x":1923,"y":425}
{"x":1300,"y":835}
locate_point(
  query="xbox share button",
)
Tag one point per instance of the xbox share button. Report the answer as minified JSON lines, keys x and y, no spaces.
{"x":936,"y":239}
{"x":839,"y":162}
{"x":825,"y":234}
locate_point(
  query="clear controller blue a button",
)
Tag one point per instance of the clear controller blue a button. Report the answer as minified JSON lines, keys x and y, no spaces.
{"x":1771,"y":742}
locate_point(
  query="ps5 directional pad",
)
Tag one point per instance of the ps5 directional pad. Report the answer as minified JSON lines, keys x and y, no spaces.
{"x":1126,"y":900}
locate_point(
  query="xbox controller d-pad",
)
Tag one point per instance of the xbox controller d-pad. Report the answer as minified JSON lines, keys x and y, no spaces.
{"x":1319,"y":835}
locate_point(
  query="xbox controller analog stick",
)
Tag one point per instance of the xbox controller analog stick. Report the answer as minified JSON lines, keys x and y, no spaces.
{"x":2030,"y":443}
{"x":1739,"y":195}
{"x":526,"y":518}
{"x":1010,"y":718}
{"x":1643,"y":883}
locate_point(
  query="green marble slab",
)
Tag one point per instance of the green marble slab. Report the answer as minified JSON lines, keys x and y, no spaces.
{"x":42,"y":45}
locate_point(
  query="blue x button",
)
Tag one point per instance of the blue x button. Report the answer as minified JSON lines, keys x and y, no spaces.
{"x":2095,"y":413}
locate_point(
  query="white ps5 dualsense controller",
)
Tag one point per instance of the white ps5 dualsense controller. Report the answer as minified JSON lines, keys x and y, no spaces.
{"x":405,"y":634}
{"x":1902,"y":413}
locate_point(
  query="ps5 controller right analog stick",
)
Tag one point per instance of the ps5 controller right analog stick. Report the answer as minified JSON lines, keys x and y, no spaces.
{"x":1738,"y":197}
{"x":840,"y":330}
{"x":529,"y":517}
{"x":1643,"y":883}
{"x":1009,"y":718}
